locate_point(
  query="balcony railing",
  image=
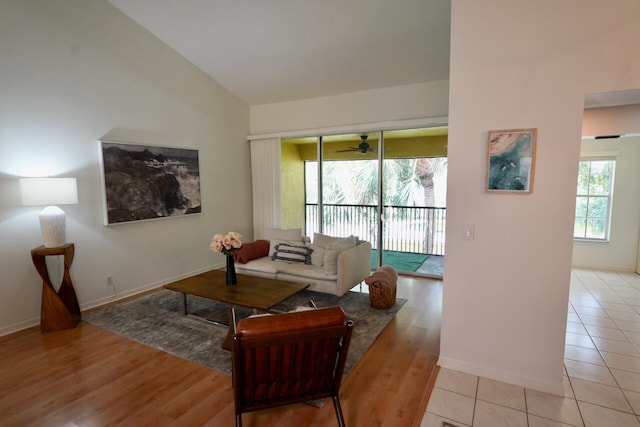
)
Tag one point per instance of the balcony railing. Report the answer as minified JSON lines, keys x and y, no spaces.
{"x":405,"y":229}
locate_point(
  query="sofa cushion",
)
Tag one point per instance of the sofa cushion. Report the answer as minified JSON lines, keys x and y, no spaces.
{"x":289,"y":252}
{"x":262,"y":265}
{"x":332,"y":251}
{"x":251,"y":250}
{"x":305,"y":272}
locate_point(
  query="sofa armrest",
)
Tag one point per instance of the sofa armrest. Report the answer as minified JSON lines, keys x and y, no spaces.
{"x":354,"y":265}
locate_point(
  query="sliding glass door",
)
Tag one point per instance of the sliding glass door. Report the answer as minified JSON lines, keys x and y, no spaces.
{"x":385,"y":187}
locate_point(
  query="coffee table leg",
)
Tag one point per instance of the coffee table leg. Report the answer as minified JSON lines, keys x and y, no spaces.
{"x":184,"y":303}
{"x":197,"y":317}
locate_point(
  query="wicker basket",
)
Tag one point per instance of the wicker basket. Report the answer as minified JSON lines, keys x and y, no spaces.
{"x":382,"y":297}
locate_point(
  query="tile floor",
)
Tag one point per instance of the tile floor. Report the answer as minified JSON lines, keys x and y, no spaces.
{"x":602,"y":368}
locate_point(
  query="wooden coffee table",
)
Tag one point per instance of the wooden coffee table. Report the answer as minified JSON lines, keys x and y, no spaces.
{"x":253,"y":292}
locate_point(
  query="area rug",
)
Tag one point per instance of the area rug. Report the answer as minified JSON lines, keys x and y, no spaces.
{"x":157,"y":320}
{"x":401,"y":261}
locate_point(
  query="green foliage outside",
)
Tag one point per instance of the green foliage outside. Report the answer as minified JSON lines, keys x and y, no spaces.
{"x":407,"y":182}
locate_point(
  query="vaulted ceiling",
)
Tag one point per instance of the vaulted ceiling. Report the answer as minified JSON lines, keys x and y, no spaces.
{"x":268,"y":51}
{"x":282,"y":50}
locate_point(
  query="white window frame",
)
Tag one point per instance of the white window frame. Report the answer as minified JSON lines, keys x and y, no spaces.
{"x":609,"y":196}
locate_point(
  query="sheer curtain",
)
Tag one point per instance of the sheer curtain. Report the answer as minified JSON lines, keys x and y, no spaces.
{"x":265,"y":177}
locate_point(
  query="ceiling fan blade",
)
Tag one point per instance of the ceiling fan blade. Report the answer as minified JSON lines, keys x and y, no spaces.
{"x":362,"y":148}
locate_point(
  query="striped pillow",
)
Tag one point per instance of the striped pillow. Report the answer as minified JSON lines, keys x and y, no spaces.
{"x":292,"y":253}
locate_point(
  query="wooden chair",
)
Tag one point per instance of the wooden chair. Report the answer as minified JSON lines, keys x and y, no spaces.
{"x":289,"y":358}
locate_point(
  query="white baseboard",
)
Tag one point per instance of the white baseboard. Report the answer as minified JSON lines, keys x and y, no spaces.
{"x":141,"y":289}
{"x":16,"y":327}
{"x":606,"y":267}
{"x":25,"y":324}
{"x":502,"y":376}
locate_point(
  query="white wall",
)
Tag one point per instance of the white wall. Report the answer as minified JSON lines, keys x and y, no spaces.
{"x":620,"y":252}
{"x":620,"y":120}
{"x":356,"y":109}
{"x":517,"y":64}
{"x":74,"y":72}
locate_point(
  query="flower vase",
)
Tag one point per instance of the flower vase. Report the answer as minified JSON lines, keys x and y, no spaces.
{"x":231,"y":271}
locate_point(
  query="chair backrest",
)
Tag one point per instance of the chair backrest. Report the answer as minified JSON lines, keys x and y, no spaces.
{"x":288,"y":358}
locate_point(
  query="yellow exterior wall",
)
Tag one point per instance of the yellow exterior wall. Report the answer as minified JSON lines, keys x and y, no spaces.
{"x":292,"y":184}
{"x":424,"y":146}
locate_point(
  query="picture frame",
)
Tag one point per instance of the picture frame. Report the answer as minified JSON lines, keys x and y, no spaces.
{"x":147,"y":182}
{"x":510,"y":161}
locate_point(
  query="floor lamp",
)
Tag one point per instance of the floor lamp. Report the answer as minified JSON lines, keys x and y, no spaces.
{"x":50,"y":192}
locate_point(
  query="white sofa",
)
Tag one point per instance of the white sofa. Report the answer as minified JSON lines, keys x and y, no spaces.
{"x":352,"y":264}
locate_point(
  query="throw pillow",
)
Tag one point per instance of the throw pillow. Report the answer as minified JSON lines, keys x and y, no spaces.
{"x":330,"y":264}
{"x":251,"y":250}
{"x":292,"y":253}
{"x":323,"y":240}
{"x":276,"y":242}
{"x":317,"y":256}
{"x":294,"y":234}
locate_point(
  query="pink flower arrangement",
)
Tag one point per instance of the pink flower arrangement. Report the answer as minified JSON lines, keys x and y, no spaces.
{"x":227,"y":244}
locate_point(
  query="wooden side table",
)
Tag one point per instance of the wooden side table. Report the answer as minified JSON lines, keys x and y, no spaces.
{"x":59,"y":310}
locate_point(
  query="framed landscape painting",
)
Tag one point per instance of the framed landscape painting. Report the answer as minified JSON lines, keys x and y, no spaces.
{"x":143,"y":182}
{"x":511,"y":158}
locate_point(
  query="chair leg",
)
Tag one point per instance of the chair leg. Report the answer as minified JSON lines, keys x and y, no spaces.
{"x":338,"y":408}
{"x":238,"y":420}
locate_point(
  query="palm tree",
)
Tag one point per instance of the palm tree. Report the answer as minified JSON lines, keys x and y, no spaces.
{"x":425,"y":169}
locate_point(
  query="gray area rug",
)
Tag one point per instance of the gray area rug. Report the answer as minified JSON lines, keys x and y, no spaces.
{"x":157,"y":320}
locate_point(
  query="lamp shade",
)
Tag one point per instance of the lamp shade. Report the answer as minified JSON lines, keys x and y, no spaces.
{"x":48,"y":191}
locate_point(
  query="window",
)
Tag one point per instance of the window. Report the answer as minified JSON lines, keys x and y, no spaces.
{"x":593,"y":199}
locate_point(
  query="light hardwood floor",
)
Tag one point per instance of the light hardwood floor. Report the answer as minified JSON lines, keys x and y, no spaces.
{"x":90,"y":377}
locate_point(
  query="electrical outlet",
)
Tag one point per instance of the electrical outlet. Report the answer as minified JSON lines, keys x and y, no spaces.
{"x":469,"y":231}
{"x":109,"y":281}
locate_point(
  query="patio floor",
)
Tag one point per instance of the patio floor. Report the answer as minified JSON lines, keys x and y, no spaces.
{"x":432,"y":267}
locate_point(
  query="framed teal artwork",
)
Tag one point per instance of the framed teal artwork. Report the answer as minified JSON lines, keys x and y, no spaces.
{"x":511,"y":160}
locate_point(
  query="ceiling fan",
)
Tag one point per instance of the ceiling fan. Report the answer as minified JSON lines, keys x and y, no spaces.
{"x":363,"y":147}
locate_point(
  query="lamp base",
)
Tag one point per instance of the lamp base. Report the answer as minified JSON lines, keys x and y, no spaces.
{"x":53,"y":226}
